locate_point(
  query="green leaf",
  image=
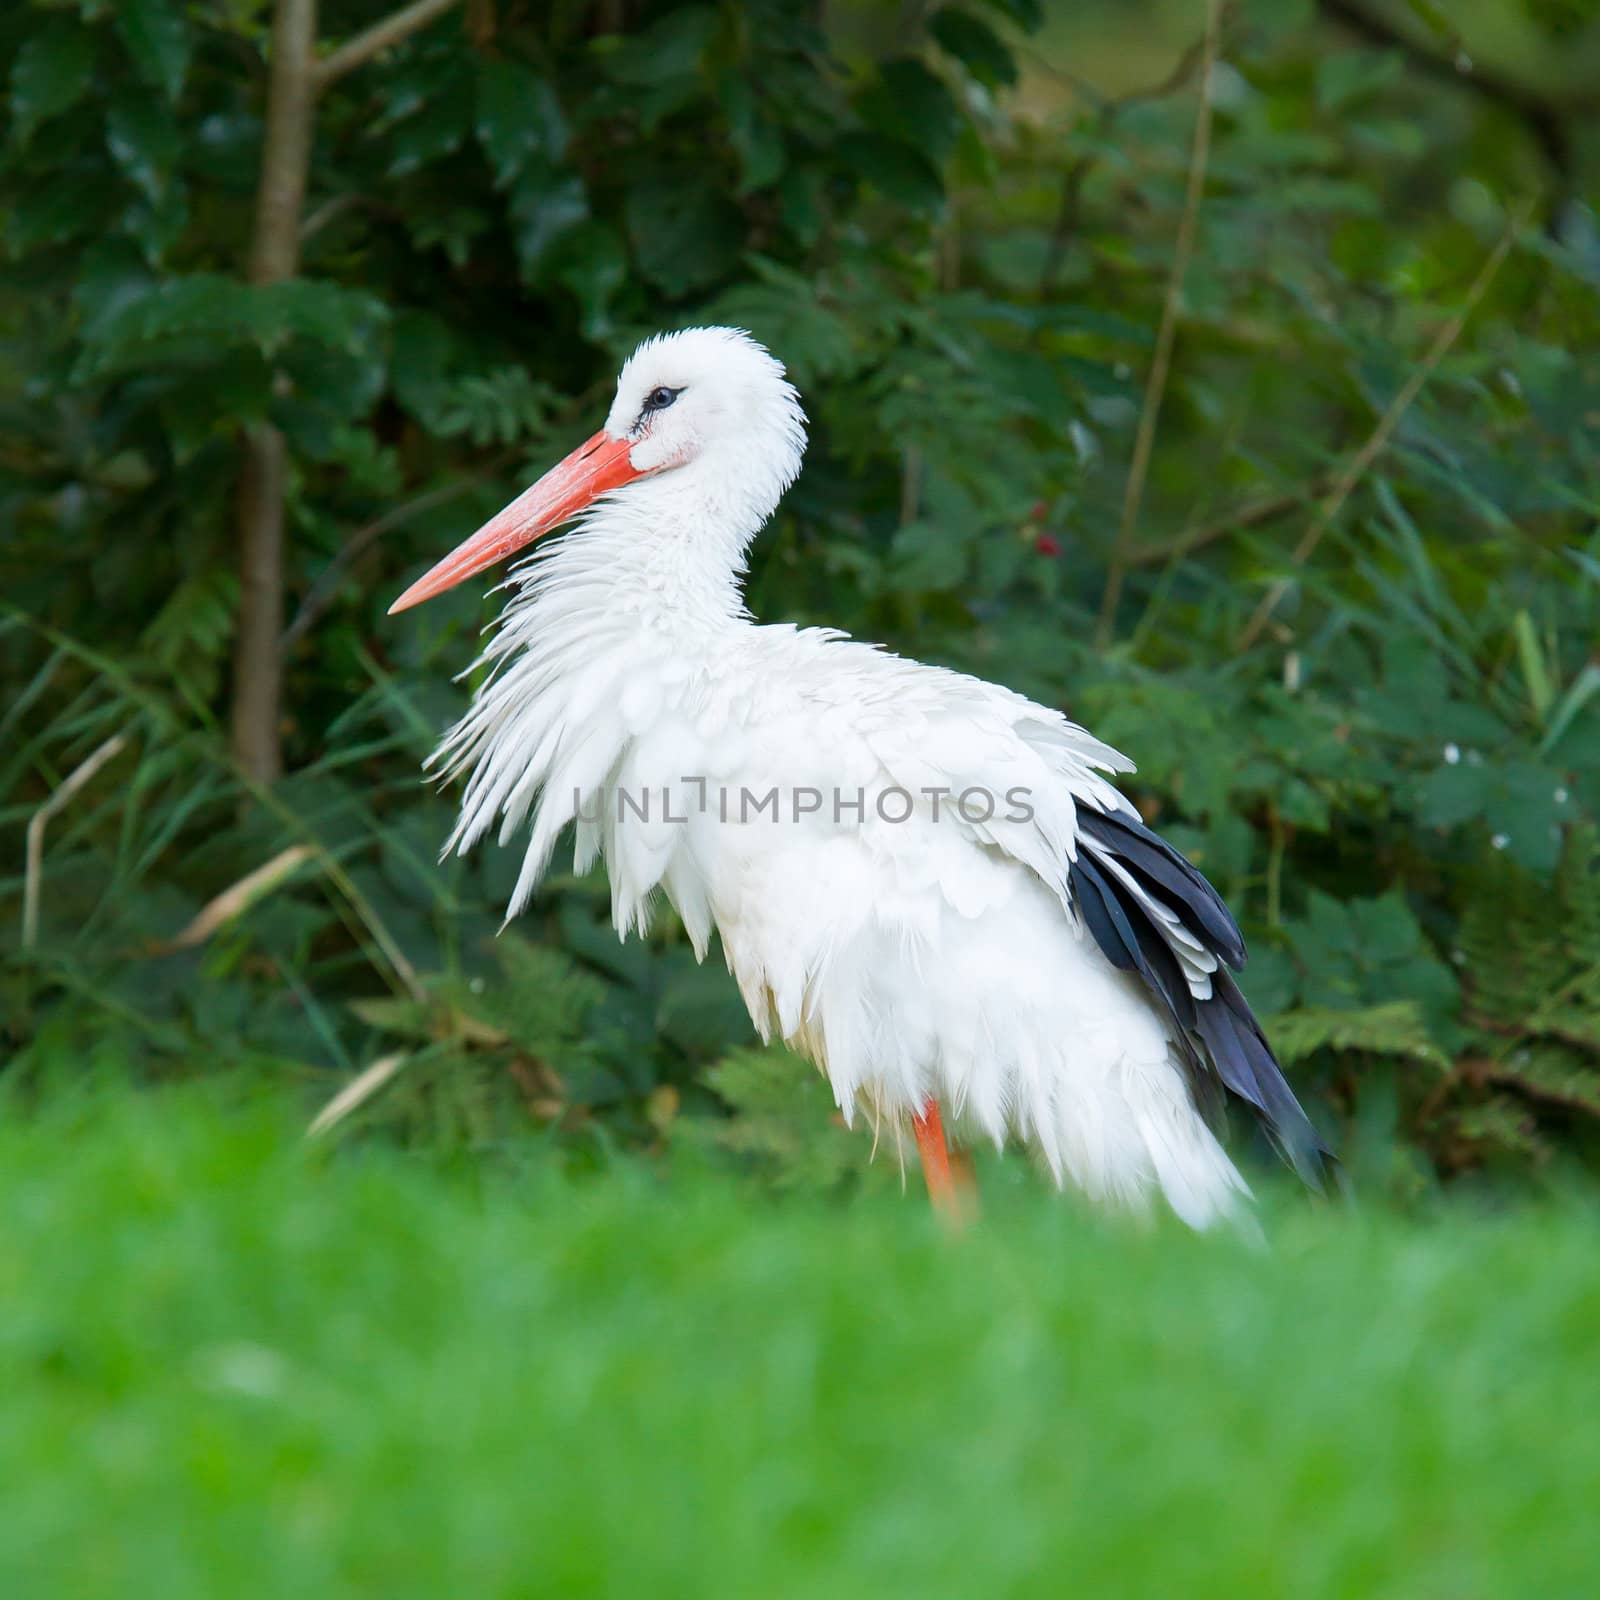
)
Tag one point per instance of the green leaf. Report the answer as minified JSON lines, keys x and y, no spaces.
{"x":975,"y":45}
{"x":1349,"y":75}
{"x":53,"y":70}
{"x":341,"y":318}
{"x":543,"y":1000}
{"x":143,"y":139}
{"x":783,"y":310}
{"x":684,"y":233}
{"x":434,"y":131}
{"x":802,"y":195}
{"x":1504,"y":1124}
{"x":1523,"y":804}
{"x":192,"y":634}
{"x":452,"y":230}
{"x":1435,"y":18}
{"x":203,"y":403}
{"x":346,"y":380}
{"x":1579,"y":693}
{"x":1557,"y":1073}
{"x":518,"y":116}
{"x":1394,"y":1029}
{"x":157,"y":225}
{"x":1303,"y":805}
{"x":424,"y":1021}
{"x":786,"y":1128}
{"x":50,"y":212}
{"x":1535,"y":674}
{"x":1027,"y":14}
{"x":1359,"y":953}
{"x":757,"y":141}
{"x":670,"y":51}
{"x":206,"y":306}
{"x":909,"y":103}
{"x":1454,"y":794}
{"x":496,"y":407}
{"x":926,"y":555}
{"x":593,"y":265}
{"x":157,"y":36}
{"x":700,"y":1010}
{"x":546,"y":205}
{"x":894,"y":168}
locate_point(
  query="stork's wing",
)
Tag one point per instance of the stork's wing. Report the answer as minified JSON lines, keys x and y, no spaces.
{"x":1148,"y":909}
{"x":1153,"y":914}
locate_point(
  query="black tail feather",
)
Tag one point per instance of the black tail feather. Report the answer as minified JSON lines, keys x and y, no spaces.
{"x":1221,"y":1035}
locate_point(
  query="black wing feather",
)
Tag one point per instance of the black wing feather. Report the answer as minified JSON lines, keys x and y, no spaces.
{"x":1130,"y":940}
{"x":1221,"y":1034}
{"x":1172,"y":876}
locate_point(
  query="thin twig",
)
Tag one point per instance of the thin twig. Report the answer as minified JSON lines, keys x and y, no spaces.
{"x":322,"y":593}
{"x":330,"y":210}
{"x":1108,"y":105}
{"x":1107,"y":109}
{"x":34,"y":872}
{"x":481,"y":23}
{"x":910,"y":484}
{"x":394,"y":29}
{"x":1156,"y":385}
{"x":1065,"y":228}
{"x":1387,"y":423}
{"x":1247,"y":515}
{"x":1199,"y":55}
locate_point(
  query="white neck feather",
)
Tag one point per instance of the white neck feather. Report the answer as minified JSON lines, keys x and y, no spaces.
{"x":650,"y":576}
{"x":663,"y":554}
{"x":643,"y":593}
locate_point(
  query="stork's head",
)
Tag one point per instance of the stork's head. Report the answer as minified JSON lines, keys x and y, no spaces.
{"x":704,"y":417}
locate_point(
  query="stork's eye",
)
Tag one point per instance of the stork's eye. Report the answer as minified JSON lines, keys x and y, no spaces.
{"x":659,"y":400}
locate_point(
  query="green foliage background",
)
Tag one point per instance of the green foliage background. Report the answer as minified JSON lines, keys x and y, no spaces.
{"x":959,"y":226}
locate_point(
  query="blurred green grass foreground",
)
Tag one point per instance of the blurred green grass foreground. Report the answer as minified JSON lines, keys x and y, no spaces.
{"x":238,"y":1363}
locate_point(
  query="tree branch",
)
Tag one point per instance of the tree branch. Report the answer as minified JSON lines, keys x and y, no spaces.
{"x":1155,"y":387}
{"x":1247,"y":515}
{"x":263,"y":479}
{"x":481,"y":23}
{"x":1107,"y":109}
{"x":1381,"y":434}
{"x":1545,"y":121}
{"x":381,"y":36}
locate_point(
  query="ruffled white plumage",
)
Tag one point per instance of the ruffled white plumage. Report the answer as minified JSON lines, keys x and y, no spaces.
{"x":936,"y":956}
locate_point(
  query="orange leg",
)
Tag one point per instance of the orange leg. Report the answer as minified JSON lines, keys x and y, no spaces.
{"x":949,"y":1183}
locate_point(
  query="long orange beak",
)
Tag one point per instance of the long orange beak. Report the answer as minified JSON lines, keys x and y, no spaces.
{"x":599,"y":464}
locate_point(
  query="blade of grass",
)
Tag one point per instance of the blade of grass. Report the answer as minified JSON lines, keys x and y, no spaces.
{"x":1535,"y":674}
{"x":237,"y":899}
{"x":356,"y":1093}
{"x":82,"y":774}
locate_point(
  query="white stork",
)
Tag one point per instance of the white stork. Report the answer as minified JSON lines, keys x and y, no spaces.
{"x":923,"y":882}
